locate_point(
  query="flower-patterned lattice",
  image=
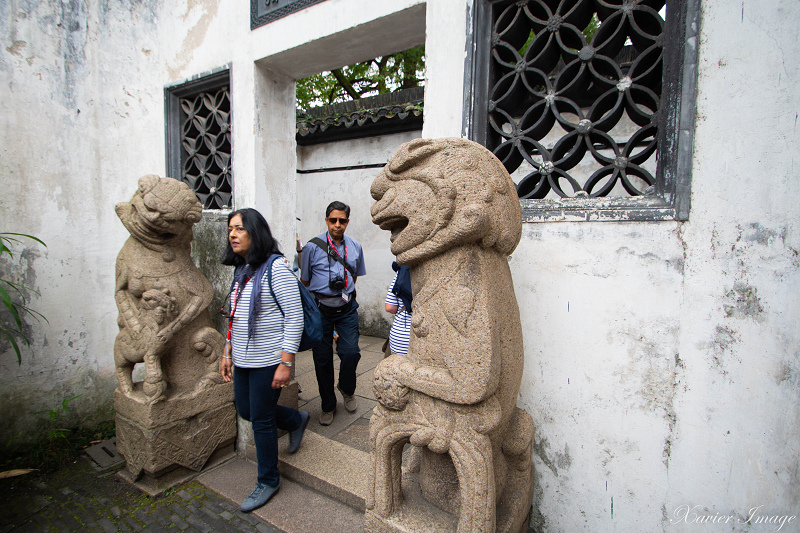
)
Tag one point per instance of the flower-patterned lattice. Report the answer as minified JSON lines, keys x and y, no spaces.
{"x":206,"y":142}
{"x":576,"y":118}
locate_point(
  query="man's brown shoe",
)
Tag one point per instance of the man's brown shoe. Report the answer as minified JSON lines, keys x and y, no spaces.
{"x":326,"y":418}
{"x":349,"y":402}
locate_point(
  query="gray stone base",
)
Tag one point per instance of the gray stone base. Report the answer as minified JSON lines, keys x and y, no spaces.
{"x":155,"y":486}
{"x":171,"y":441}
{"x":417,"y":515}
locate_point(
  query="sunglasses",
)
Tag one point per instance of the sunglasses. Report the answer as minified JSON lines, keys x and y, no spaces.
{"x":342,"y":221}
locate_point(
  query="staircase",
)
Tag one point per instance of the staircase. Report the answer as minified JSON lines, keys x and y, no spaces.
{"x":324,"y":484}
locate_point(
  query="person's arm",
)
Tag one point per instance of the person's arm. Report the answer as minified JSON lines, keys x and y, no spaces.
{"x":360,"y":267}
{"x":298,"y":247}
{"x":287,"y":295}
{"x":283,"y":374}
{"x":392,"y":302}
{"x":226,"y":363}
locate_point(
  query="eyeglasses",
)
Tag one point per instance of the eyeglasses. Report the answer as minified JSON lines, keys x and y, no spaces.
{"x":229,"y":313}
{"x":342,"y":221}
{"x":226,"y":310}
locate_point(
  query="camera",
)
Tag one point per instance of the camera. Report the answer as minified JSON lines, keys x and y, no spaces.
{"x":336,"y":284}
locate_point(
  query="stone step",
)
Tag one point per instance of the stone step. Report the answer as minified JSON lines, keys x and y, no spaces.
{"x":329,"y":467}
{"x":294,"y":509}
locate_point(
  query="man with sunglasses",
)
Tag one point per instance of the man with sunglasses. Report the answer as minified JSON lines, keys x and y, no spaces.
{"x":329,"y":267}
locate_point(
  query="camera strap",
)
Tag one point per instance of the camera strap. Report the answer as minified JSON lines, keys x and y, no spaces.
{"x":325,"y":246}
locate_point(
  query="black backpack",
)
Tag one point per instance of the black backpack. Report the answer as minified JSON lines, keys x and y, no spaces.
{"x":312,"y":320}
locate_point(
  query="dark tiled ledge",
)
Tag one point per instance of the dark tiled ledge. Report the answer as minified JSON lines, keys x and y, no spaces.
{"x":377,"y":115}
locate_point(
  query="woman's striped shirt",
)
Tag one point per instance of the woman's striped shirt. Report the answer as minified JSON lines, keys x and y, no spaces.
{"x":401,"y":325}
{"x":274,"y":331}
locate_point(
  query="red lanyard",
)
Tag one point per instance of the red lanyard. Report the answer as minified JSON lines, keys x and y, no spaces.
{"x":340,"y":255}
{"x":239,"y":291}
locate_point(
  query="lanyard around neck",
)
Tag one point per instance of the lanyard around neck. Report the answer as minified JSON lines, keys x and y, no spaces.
{"x":236,"y":296}
{"x":340,"y":255}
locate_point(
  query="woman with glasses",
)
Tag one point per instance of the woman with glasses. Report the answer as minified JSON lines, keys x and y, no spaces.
{"x":263,"y":336}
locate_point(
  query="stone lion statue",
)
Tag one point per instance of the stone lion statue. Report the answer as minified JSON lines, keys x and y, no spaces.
{"x":162,"y":297}
{"x":454,"y":217}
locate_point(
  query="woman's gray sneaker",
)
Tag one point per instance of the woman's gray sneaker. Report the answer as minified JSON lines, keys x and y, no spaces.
{"x":296,"y":436}
{"x":258,"y":497}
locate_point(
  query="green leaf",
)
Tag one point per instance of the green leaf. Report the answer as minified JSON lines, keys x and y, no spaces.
{"x":26,"y":236}
{"x":401,"y":70}
{"x":14,"y":345}
{"x":15,"y":310}
{"x":12,"y":308}
{"x":65,"y":402}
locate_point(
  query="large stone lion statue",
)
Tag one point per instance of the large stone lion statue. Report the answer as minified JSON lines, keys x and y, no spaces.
{"x":454,"y":218}
{"x":162,"y":297}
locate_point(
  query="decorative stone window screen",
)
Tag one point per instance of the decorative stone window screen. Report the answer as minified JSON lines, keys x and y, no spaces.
{"x":199,"y":138}
{"x":597,"y":129}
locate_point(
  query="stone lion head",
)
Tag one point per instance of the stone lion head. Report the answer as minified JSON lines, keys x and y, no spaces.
{"x":435,"y":194}
{"x":162,"y":211}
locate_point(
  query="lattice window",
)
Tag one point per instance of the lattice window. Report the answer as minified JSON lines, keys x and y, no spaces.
{"x":578,"y":115}
{"x":200,"y":148}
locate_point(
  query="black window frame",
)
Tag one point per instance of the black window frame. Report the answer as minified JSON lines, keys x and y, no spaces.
{"x":204,"y":82}
{"x":670,"y":198}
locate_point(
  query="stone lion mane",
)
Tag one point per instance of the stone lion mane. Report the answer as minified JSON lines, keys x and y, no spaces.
{"x":476,"y":200}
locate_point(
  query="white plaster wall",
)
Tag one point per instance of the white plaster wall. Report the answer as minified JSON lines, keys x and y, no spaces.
{"x":81,"y":103}
{"x":318,"y":189}
{"x":662,"y":365}
{"x":662,"y":358}
{"x":81,"y":90}
{"x":739,"y":400}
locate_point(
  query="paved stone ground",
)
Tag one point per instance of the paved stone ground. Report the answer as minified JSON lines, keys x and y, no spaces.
{"x":79,"y":498}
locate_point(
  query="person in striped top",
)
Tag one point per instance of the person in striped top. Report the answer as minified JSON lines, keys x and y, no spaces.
{"x":400,"y":333}
{"x":263,"y":337}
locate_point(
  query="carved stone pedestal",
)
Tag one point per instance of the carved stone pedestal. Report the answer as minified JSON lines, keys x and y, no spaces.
{"x":434,"y":505}
{"x":169,"y":442}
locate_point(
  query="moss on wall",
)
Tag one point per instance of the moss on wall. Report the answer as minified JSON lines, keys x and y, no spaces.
{"x":210,"y":240}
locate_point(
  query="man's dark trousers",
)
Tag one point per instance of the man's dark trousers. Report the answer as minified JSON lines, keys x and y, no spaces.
{"x":349,"y":354}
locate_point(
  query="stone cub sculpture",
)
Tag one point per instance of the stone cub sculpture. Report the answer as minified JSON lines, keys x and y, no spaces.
{"x":454,"y":217}
{"x":162,"y":297}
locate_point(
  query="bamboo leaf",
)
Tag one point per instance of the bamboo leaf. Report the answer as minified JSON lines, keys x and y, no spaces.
{"x":14,"y":344}
{"x":12,"y":308}
{"x":65,"y":402}
{"x":26,"y":236}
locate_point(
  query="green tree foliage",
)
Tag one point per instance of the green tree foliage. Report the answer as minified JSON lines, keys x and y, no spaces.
{"x":401,"y":70}
{"x":588,"y":33}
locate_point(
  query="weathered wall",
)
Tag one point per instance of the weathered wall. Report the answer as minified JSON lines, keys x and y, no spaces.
{"x":662,"y":358}
{"x":81,"y":112}
{"x":81,"y":90}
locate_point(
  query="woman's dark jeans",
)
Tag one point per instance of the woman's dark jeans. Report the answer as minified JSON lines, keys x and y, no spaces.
{"x":257,"y":402}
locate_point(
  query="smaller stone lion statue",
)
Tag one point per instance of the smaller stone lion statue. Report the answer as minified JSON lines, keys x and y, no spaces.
{"x":162,"y":297}
{"x":454,"y":217}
